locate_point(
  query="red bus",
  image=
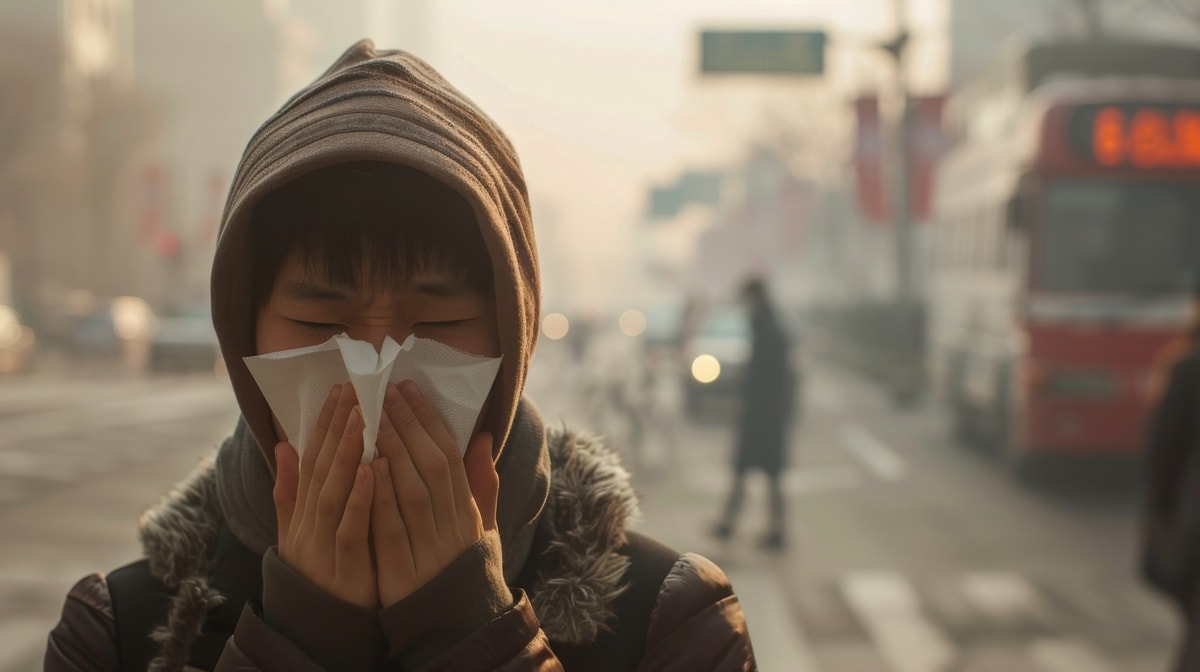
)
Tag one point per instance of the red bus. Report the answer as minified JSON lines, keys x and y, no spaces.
{"x":1066,"y":233}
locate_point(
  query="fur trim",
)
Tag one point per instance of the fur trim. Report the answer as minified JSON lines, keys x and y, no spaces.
{"x":590,"y":507}
{"x":591,"y":504}
{"x":178,"y":534}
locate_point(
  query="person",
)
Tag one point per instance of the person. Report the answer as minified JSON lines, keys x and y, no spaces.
{"x":768,"y":403}
{"x":380,"y":201}
{"x":1171,"y":526}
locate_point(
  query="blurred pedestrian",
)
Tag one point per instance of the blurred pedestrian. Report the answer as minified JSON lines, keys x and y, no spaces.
{"x":1171,"y":527}
{"x":767,"y":406}
{"x":381,"y":202}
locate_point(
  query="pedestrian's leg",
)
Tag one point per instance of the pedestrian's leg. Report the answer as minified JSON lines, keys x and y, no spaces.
{"x":774,"y":539}
{"x":733,"y":506}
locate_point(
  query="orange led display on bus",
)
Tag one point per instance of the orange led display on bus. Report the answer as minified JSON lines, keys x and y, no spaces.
{"x":1147,"y":138}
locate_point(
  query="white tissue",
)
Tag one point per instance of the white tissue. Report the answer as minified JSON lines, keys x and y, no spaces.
{"x":297,"y":382}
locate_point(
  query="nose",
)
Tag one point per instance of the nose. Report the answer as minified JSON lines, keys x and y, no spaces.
{"x":376,"y":334}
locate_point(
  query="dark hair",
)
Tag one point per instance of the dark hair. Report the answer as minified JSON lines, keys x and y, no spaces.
{"x":368,"y":222}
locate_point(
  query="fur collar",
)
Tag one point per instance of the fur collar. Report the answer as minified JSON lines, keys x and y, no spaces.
{"x":578,"y":574}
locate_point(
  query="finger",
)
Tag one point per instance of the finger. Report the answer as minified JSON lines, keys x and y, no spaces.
{"x":415,"y":505}
{"x":332,"y":500}
{"x":329,"y":444}
{"x":393,"y":551}
{"x":352,"y":557}
{"x":485,"y":482}
{"x":312,"y":447}
{"x":432,"y":421}
{"x":287,"y":472}
{"x":430,"y":463}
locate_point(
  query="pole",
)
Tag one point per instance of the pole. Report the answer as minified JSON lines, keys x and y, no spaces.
{"x":905,"y":268}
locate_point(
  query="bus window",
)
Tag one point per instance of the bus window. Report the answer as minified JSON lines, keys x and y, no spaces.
{"x":1125,"y":237}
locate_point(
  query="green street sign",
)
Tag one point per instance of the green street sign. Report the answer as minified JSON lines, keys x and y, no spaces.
{"x":762,"y":52}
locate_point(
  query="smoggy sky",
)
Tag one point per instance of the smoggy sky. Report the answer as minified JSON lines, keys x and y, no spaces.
{"x":601,"y":99}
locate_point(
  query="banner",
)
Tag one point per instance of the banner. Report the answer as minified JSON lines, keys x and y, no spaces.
{"x":868,"y":160}
{"x":926,"y":143}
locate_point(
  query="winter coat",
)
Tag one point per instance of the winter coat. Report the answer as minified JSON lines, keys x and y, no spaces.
{"x":592,"y":596}
{"x":1171,"y":542}
{"x":769,"y":395}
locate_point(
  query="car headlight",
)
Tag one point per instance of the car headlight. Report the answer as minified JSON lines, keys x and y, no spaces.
{"x":706,"y":368}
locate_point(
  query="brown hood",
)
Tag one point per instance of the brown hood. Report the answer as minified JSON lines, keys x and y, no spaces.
{"x":383,"y":106}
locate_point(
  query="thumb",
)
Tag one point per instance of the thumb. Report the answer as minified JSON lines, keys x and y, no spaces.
{"x":287,"y":473}
{"x":482,"y":477}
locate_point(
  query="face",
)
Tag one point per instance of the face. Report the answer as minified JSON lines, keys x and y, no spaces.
{"x":304,"y":310}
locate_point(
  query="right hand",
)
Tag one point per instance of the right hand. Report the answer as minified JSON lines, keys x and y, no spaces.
{"x":323,"y":504}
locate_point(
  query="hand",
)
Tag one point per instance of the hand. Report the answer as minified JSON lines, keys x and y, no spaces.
{"x":430,"y":504}
{"x":323,"y":504}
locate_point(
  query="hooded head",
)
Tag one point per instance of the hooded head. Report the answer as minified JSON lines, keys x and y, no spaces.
{"x":378,"y":170}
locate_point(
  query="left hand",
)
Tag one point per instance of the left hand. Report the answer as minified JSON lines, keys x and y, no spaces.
{"x":430,"y":504}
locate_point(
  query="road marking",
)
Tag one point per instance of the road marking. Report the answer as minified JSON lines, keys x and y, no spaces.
{"x":887,"y":605}
{"x":770,"y":622}
{"x":875,"y":455}
{"x":1002,"y":595}
{"x":1067,"y":655}
{"x":825,"y":397}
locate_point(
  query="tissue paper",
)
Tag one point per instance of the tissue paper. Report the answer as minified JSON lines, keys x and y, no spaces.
{"x":297,"y":382}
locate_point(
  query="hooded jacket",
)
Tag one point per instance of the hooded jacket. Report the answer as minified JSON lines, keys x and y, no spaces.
{"x":580,"y":590}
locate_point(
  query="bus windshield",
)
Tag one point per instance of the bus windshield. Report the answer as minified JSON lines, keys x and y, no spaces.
{"x":1108,"y":236}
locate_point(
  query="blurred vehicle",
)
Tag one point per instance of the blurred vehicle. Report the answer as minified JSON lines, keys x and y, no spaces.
{"x":18,"y":344}
{"x":715,"y":358}
{"x":121,"y":324}
{"x":1067,"y":231}
{"x":184,"y":342}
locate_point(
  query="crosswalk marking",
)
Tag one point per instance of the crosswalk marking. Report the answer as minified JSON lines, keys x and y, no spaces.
{"x":888,"y":606}
{"x":769,"y":621}
{"x":873,"y":453}
{"x":1005,"y":596}
{"x":1067,"y":655}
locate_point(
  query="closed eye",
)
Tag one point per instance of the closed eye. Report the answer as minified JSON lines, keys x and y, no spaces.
{"x":318,"y":327}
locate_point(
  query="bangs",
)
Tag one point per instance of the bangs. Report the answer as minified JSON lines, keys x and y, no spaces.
{"x":368,"y":224}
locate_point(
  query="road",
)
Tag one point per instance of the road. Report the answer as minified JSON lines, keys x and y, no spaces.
{"x":907,"y":553}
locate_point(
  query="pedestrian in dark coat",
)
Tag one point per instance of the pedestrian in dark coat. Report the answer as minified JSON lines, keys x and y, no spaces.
{"x":1171,"y":531}
{"x":380,"y":203}
{"x":768,"y":404}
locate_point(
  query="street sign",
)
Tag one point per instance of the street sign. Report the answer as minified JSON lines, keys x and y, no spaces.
{"x":762,"y":52}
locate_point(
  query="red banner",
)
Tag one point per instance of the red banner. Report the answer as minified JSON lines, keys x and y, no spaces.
{"x":926,"y":142}
{"x":868,"y":160}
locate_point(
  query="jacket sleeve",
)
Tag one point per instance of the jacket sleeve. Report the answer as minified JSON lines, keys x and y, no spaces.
{"x":697,"y":622}
{"x":467,"y":619}
{"x":85,"y":639}
{"x":299,"y":627}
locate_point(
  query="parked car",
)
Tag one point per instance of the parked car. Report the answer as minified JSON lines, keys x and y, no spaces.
{"x":120,"y":327}
{"x":18,"y":344}
{"x":715,"y":359}
{"x":184,"y":342}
